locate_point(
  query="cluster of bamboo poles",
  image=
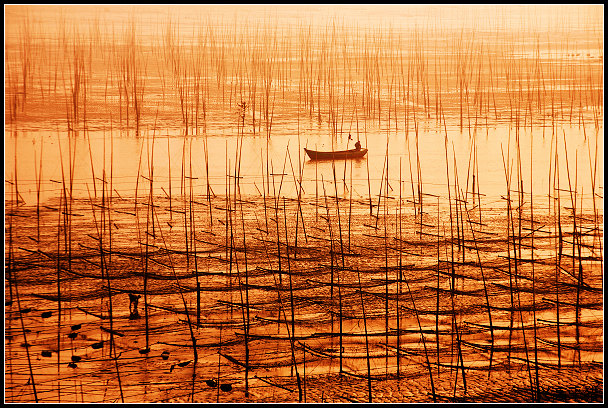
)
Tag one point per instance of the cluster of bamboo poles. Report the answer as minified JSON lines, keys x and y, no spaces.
{"x":195,"y":78}
{"x":336,"y":260}
{"x":435,"y":294}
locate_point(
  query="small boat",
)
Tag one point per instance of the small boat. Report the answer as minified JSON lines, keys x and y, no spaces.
{"x":336,"y":155}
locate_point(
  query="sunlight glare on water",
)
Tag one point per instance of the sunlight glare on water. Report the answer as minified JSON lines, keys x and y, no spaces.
{"x":310,"y":75}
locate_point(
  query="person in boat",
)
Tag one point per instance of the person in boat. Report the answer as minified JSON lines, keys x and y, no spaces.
{"x":357,"y":144}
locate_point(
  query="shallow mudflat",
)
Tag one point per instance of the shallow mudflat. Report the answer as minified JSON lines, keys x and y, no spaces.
{"x":279,"y":296}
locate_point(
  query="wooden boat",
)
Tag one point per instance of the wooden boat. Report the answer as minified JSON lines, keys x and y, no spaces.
{"x":336,"y":155}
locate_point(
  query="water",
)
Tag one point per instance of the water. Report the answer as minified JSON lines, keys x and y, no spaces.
{"x":167,"y":142}
{"x":542,"y":87}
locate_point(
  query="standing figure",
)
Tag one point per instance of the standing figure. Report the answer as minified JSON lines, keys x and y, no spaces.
{"x":133,"y":313}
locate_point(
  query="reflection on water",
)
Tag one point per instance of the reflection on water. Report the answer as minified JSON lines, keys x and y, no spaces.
{"x":158,"y":151}
{"x":419,"y":92}
{"x":208,"y":159}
